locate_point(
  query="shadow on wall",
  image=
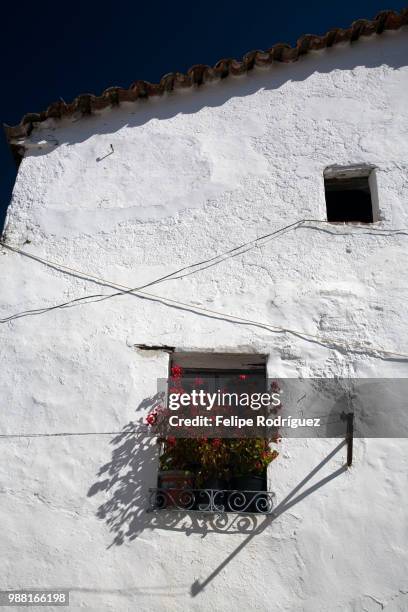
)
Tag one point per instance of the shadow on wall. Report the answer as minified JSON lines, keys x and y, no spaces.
{"x":373,"y":52}
{"x":125,"y":481}
{"x":126,"y":478}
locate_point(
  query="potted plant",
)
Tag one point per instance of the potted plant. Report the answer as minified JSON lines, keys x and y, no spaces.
{"x":203,"y":463}
{"x":250,"y":459}
{"x":214,"y":463}
{"x":214,"y":470}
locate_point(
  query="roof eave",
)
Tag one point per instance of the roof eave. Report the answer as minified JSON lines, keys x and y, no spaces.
{"x":199,"y":74}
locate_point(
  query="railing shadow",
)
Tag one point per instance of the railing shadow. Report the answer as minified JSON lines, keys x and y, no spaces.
{"x":125,"y":482}
{"x":132,"y":470}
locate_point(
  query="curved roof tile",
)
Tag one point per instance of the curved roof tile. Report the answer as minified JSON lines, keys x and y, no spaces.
{"x":199,"y":74}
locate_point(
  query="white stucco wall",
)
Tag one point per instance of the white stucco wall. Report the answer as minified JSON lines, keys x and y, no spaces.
{"x":193,"y":175}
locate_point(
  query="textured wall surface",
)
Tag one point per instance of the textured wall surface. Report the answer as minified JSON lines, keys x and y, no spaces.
{"x":191,"y":176}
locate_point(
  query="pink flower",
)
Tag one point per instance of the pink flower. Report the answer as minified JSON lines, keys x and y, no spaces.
{"x":243,"y":377}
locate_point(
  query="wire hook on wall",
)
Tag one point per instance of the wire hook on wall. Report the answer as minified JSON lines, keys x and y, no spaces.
{"x":98,"y":159}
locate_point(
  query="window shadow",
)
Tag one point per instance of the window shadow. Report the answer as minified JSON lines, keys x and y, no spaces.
{"x":125,"y":482}
{"x":126,"y":478}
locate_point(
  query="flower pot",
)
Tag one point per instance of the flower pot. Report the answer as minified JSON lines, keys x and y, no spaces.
{"x":246,"y":497}
{"x":177,"y":490}
{"x":249,"y":482}
{"x":216,"y":483}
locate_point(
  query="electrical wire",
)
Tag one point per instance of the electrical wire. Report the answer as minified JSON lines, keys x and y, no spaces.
{"x":324,"y":341}
{"x":69,"y":433}
{"x":125,"y":432}
{"x":229,"y":253}
{"x":151,"y":283}
{"x":173,"y":275}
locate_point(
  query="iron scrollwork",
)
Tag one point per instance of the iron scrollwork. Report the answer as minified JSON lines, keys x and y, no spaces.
{"x":212,"y":500}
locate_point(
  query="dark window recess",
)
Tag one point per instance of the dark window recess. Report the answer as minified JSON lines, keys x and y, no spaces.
{"x":348,"y":200}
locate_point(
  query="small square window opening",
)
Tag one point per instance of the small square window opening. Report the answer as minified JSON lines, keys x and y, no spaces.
{"x":349,"y":195}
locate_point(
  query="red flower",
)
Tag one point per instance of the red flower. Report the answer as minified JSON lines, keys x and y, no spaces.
{"x":198,"y":381}
{"x":216,"y":442}
{"x":151,"y":418}
{"x":243,"y":377}
{"x":171,"y":440}
{"x":176,"y":371}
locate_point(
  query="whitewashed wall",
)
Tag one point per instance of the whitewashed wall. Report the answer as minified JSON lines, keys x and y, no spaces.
{"x":192,"y":175}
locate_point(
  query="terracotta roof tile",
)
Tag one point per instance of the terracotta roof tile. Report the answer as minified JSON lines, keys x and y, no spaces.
{"x":199,"y":74}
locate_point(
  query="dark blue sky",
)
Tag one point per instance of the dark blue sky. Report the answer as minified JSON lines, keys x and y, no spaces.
{"x":51,"y":50}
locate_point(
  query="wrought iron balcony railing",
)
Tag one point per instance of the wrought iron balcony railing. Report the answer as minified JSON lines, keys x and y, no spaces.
{"x":212,"y":500}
